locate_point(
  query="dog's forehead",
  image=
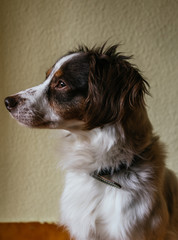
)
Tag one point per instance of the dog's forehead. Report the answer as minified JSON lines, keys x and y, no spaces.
{"x":59,"y":64}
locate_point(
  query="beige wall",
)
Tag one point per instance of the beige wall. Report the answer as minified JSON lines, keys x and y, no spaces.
{"x":33,"y":35}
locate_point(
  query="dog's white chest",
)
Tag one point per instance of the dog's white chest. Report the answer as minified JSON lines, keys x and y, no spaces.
{"x":90,"y":208}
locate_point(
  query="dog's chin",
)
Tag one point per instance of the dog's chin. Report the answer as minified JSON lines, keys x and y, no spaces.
{"x":70,"y":125}
{"x":33,"y":124}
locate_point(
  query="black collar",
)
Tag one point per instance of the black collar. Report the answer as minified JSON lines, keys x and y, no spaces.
{"x":105,"y":180}
{"x":104,"y":175}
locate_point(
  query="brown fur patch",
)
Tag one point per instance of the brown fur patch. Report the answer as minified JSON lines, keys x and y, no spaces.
{"x":58,"y":73}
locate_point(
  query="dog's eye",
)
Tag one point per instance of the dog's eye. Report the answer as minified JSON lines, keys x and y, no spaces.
{"x":61,"y":84}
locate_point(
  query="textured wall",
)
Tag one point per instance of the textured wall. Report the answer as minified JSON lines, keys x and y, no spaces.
{"x":33,"y":35}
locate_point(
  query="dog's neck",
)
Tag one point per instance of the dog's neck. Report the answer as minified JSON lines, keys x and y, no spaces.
{"x":94,"y":150}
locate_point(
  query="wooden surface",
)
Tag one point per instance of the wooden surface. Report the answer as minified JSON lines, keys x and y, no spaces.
{"x":32,"y":231}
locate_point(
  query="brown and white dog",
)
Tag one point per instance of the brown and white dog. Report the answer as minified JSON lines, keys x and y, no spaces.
{"x":117,"y":186}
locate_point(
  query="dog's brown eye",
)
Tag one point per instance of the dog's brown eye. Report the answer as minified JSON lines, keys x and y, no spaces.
{"x":61,"y":84}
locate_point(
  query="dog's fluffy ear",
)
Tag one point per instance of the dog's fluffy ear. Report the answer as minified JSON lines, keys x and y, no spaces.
{"x":115,"y":88}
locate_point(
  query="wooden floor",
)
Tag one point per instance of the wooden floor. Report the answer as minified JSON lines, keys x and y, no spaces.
{"x":32,"y":231}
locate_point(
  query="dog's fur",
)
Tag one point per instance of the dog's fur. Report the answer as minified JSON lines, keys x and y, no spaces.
{"x":98,"y":96}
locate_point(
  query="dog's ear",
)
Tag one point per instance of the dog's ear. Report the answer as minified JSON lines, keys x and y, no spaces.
{"x":98,"y":112}
{"x":115,"y":88}
{"x":134,"y":88}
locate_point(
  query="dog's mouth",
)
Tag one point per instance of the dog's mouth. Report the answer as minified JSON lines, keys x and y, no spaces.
{"x":26,"y":118}
{"x":34,"y":118}
{"x":34,"y":122}
{"x":27,"y":115}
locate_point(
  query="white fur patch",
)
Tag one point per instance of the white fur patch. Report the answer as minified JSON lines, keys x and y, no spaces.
{"x":90,"y":209}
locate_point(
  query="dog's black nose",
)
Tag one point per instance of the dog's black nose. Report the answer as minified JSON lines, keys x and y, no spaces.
{"x":11,"y":103}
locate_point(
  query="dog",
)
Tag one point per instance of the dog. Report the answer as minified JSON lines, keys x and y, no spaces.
{"x":116,"y":186}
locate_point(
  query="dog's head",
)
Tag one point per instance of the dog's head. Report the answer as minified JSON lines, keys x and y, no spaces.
{"x":88,"y":88}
